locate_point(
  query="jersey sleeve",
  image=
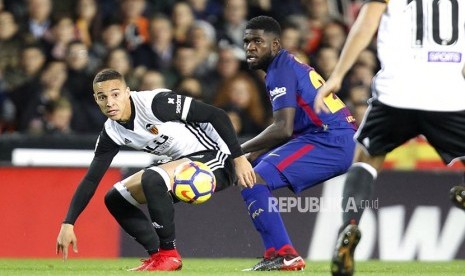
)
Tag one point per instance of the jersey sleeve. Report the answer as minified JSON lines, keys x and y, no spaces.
{"x":105,"y":150}
{"x":282,"y":88}
{"x":174,"y":107}
{"x":169,"y":106}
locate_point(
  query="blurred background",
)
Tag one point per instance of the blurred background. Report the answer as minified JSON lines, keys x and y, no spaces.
{"x":50,"y":51}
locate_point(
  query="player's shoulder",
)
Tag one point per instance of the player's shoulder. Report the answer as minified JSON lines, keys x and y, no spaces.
{"x":145,"y":98}
{"x":286,"y":66}
{"x":149,"y":93}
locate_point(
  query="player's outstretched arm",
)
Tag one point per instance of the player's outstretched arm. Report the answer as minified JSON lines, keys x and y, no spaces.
{"x":279,"y":132}
{"x":65,"y":238}
{"x":359,"y":37}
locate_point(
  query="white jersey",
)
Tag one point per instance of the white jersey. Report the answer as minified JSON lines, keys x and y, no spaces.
{"x":421,"y":47}
{"x":174,"y":138}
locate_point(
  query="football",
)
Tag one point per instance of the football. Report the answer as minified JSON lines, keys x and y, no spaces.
{"x":194,"y":182}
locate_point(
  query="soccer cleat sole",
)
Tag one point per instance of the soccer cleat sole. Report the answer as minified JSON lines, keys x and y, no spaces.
{"x":457,"y":196}
{"x":342,"y":263}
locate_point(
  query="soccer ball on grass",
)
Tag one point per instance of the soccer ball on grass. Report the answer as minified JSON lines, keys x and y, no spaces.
{"x":194,"y":182}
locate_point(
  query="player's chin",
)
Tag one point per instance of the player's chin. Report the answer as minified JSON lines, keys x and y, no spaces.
{"x":253,"y":65}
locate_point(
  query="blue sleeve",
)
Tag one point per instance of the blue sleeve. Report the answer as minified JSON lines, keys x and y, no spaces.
{"x":282,"y":88}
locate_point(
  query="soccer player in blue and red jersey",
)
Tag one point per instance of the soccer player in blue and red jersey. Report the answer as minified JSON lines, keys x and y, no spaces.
{"x":300,"y":149}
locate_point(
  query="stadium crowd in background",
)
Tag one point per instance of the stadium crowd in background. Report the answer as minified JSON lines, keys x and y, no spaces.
{"x":50,"y":49}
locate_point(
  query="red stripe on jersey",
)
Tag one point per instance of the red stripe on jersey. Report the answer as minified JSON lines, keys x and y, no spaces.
{"x":296,"y":155}
{"x":304,"y":105}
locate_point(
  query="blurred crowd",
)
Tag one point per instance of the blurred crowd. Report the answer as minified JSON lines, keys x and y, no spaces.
{"x":50,"y":51}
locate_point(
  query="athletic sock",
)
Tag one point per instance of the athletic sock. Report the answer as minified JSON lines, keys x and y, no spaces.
{"x":268,"y":222}
{"x":358,"y":187}
{"x":287,"y":250}
{"x":132,"y":220}
{"x":160,"y":205}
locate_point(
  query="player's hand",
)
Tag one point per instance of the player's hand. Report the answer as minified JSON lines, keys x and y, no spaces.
{"x":244,"y":171}
{"x":65,"y":238}
{"x":331,"y":86}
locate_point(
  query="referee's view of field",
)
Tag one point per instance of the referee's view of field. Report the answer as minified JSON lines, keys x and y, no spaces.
{"x":220,"y":266}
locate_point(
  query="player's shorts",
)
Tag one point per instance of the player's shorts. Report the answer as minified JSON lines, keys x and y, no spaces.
{"x":384,"y":128}
{"x":307,"y":160}
{"x":219,"y":162}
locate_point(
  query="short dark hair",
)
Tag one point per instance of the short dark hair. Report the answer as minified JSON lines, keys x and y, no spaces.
{"x":107,"y":74}
{"x":266,"y":23}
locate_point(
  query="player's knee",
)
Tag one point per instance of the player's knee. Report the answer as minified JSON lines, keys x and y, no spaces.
{"x":119,"y":195}
{"x":156,"y":180}
{"x":112,"y":198}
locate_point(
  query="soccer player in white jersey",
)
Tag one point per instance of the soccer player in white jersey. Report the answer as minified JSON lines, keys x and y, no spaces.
{"x":162,"y":123}
{"x":420,"y":90}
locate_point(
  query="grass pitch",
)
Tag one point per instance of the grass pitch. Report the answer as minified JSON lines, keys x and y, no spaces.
{"x":96,"y":267}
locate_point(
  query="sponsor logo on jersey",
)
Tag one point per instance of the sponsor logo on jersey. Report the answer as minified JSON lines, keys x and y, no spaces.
{"x":127,"y":141}
{"x":152,"y":129}
{"x":178,"y":104}
{"x":441,"y":56}
{"x":170,"y":100}
{"x":277,"y":92}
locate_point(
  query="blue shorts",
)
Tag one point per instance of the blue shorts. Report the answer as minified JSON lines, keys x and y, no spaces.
{"x":307,"y":160}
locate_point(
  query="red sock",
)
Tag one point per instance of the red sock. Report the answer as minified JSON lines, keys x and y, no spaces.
{"x":269,"y":253}
{"x":287,"y":250}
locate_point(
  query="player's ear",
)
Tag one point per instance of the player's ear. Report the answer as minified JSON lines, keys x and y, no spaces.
{"x":276,"y":45}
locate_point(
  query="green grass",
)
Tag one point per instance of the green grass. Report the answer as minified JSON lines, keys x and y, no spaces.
{"x":215,"y":267}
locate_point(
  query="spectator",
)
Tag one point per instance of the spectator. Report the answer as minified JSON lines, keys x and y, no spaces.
{"x":325,"y":60}
{"x":112,"y":37}
{"x":369,"y":59}
{"x":233,"y":22}
{"x":151,"y":80}
{"x":207,"y":10}
{"x":334,"y":35}
{"x":360,"y":74}
{"x":318,"y":14}
{"x":190,"y":87}
{"x":227,"y":66}
{"x":119,"y":60}
{"x":292,"y":40}
{"x":157,"y":53}
{"x":242,"y":93}
{"x":358,"y":94}
{"x":234,"y":115}
{"x":62,"y":32}
{"x":7,"y":109}
{"x":135,"y":25}
{"x":32,"y":60}
{"x":202,"y":36}
{"x":88,"y":21}
{"x":57,"y":117}
{"x":182,"y":17}
{"x":87,"y":116}
{"x":50,"y":88}
{"x":184,"y":65}
{"x":10,"y":43}
{"x":279,"y":9}
{"x":38,"y":19}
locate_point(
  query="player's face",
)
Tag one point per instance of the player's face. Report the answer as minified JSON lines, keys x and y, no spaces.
{"x":112,"y":96}
{"x":260,"y":48}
